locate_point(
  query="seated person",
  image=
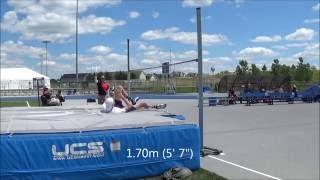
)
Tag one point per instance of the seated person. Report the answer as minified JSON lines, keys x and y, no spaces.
{"x":232,"y":96}
{"x":121,"y":102}
{"x":60,"y":97}
{"x":47,"y":99}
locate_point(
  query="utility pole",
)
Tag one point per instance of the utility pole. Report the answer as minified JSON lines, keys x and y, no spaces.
{"x":170,"y":63}
{"x":46,"y":43}
{"x":128,"y":74}
{"x":41,"y":59}
{"x":77,"y":76}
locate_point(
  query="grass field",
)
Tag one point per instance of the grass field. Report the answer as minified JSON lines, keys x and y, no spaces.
{"x":18,"y":103}
{"x":200,"y":174}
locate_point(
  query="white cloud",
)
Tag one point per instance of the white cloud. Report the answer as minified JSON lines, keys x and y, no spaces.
{"x":187,"y":55}
{"x":193,"y":19}
{"x":217,"y":60}
{"x":106,"y":62}
{"x":310,"y":52}
{"x":93,"y":24}
{"x":55,"y":20}
{"x":274,"y":38}
{"x":155,"y":15}
{"x":100,"y":49}
{"x":147,"y":47}
{"x":287,"y":60}
{"x":256,"y":51}
{"x":302,"y":34}
{"x":67,"y":56}
{"x":134,"y":14}
{"x":18,"y":54}
{"x":65,"y":7}
{"x":297,"y":44}
{"x":7,"y":60}
{"x":174,"y":34}
{"x":316,"y":7}
{"x":50,"y":63}
{"x":151,"y":62}
{"x":19,"y":49}
{"x":196,"y":3}
{"x":290,"y":45}
{"x":149,"y":55}
{"x":280,"y":47}
{"x":310,"y":55}
{"x":311,"y":21}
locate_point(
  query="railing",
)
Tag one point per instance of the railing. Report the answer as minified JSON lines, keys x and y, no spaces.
{"x":182,"y":85}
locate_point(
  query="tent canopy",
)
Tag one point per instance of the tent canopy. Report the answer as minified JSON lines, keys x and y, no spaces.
{"x":20,"y":74}
{"x":20,"y":78}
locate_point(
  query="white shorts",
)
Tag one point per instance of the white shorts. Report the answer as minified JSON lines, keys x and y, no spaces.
{"x":118,"y":110}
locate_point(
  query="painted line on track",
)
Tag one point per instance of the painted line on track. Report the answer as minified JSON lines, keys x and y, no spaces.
{"x":245,"y":168}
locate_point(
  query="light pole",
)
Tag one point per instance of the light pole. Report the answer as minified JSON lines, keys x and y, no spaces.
{"x":46,"y":43}
{"x":77,"y":76}
{"x":212,"y":70}
{"x":41,"y":59}
{"x":128,"y":59}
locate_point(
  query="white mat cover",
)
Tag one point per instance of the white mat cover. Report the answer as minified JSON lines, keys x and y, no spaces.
{"x":72,"y":119}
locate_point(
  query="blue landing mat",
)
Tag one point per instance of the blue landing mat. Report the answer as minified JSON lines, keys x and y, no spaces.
{"x":109,"y":154}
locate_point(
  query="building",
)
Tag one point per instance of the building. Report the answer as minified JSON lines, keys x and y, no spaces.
{"x":178,"y":74}
{"x":21,"y":78}
{"x":153,"y":77}
{"x":140,"y":75}
{"x":70,"y":80}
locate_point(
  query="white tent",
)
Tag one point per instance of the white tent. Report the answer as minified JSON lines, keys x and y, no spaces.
{"x":20,"y":78}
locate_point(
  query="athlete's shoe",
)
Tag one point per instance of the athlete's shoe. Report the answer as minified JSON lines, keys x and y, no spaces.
{"x":134,"y":100}
{"x":160,"y":106}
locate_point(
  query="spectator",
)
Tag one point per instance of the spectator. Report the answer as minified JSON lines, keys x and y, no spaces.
{"x":261,"y":89}
{"x":247,"y":88}
{"x":103,"y":88}
{"x":47,"y":99}
{"x":232,"y":96}
{"x":60,"y":97}
{"x":294,"y":90}
{"x":281,"y":89}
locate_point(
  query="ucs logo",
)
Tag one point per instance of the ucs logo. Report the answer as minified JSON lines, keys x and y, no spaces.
{"x":78,"y":151}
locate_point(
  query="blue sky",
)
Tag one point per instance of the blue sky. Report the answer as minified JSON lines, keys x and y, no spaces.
{"x":258,"y":31}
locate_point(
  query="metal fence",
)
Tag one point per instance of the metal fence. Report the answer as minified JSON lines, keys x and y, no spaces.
{"x":181,"y":85}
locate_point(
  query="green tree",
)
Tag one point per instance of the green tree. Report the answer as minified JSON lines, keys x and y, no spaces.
{"x":316,"y":74}
{"x":238,"y":70}
{"x":134,"y":75}
{"x":264,"y":68}
{"x":120,"y":75}
{"x":293,"y":70}
{"x":275,"y":67}
{"x":107,"y":76}
{"x":303,"y":71}
{"x":255,"y":71}
{"x":285,"y":70}
{"x":242,"y":68}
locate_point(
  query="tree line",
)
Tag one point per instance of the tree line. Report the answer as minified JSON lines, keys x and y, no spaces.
{"x":299,"y":72}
